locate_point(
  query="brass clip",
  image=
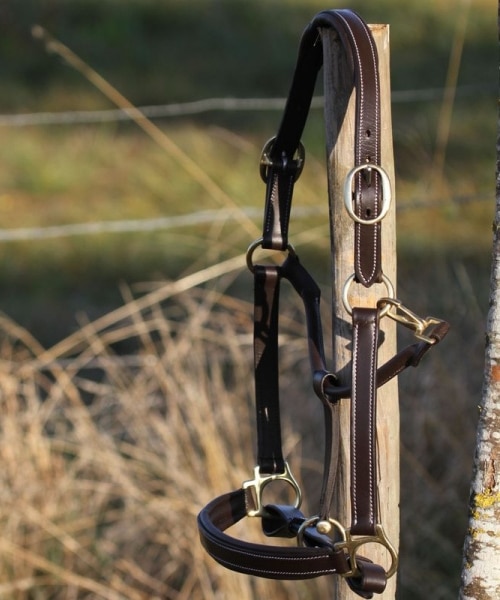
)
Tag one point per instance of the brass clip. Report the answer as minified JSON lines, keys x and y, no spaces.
{"x":323,"y":526}
{"x":400,"y":313}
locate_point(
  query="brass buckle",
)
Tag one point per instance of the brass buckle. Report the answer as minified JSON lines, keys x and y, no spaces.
{"x":260,"y":481}
{"x":400,"y":313}
{"x":266,"y":161}
{"x":386,"y":192}
{"x":352,"y":544}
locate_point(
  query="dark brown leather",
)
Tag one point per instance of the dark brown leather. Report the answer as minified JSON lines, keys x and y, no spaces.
{"x":282,"y":171}
{"x":274,"y":562}
{"x":364,"y":513}
{"x":318,"y":553}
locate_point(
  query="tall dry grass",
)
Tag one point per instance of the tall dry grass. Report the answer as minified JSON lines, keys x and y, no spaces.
{"x":113,"y":440}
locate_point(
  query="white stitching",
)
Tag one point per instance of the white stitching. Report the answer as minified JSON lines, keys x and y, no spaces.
{"x":371,"y":414}
{"x":353,"y":429}
{"x":362,"y":128}
{"x":250,"y":569}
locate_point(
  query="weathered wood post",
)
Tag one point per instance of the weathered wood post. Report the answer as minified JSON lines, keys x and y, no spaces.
{"x":339,"y":117}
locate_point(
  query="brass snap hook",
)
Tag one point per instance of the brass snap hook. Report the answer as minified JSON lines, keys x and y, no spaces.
{"x":400,"y":313}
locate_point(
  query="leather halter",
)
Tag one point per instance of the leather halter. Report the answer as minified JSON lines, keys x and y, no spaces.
{"x":325,"y":546}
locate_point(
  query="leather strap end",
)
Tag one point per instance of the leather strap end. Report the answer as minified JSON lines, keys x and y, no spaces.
{"x":371,"y":580}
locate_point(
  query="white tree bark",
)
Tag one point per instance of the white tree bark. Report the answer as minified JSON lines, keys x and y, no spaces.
{"x":481,"y":565}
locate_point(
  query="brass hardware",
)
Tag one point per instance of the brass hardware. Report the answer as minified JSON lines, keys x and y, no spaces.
{"x":345,"y":294}
{"x":400,"y":313}
{"x":260,"y":481}
{"x":323,"y":526}
{"x":386,"y":192}
{"x":352,"y":544}
{"x":256,"y":244}
{"x":266,"y":161}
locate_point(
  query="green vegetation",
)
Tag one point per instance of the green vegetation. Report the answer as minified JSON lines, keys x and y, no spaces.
{"x":175,"y":51}
{"x":155,"y":53}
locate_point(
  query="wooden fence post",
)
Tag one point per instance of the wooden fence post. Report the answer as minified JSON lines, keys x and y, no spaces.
{"x":339,"y":118}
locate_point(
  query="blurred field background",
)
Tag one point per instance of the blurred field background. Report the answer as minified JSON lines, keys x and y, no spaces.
{"x":126,"y":388}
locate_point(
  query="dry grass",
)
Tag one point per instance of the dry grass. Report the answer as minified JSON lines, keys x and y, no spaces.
{"x":107,"y":457}
{"x":112,"y":440}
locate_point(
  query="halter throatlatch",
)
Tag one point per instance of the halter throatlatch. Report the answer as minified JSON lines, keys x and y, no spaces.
{"x":324,"y":545}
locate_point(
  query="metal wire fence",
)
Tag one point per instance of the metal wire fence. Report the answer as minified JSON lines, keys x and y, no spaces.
{"x":185,"y":109}
{"x":180,"y":109}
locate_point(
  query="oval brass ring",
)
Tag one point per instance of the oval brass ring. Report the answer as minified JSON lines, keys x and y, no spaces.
{"x":386,"y":193}
{"x":257,"y":244}
{"x":345,"y":294}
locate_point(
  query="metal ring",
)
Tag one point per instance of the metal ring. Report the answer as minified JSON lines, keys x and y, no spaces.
{"x":258,"y":243}
{"x":386,"y":193}
{"x":345,"y":294}
{"x":266,"y":161}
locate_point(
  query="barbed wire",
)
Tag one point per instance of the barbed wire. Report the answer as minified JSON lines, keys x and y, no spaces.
{"x":193,"y":219}
{"x":180,"y":109}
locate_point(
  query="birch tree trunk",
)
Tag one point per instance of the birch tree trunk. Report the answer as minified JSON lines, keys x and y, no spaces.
{"x":481,"y":562}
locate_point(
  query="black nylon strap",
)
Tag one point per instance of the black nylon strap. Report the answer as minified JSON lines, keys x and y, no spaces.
{"x":266,"y":304}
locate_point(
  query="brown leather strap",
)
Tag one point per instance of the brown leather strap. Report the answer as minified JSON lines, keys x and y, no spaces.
{"x":367,"y":195}
{"x":282,"y":165}
{"x":316,"y":558}
{"x":363,"y":421}
{"x":274,"y":562}
{"x":410,"y":356}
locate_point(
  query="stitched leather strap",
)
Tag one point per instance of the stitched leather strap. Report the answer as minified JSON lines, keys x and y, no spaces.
{"x":363,"y":421}
{"x":283,"y":165}
{"x":316,"y":558}
{"x":274,"y":562}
